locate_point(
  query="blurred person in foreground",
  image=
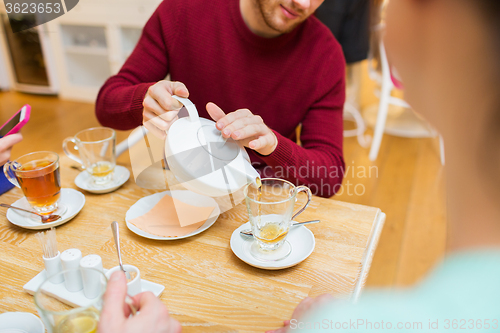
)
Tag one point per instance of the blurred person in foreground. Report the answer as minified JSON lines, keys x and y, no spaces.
{"x":259,"y":68}
{"x":447,"y":53}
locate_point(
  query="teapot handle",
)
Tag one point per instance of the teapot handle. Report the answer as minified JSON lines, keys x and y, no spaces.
{"x":191,"y":108}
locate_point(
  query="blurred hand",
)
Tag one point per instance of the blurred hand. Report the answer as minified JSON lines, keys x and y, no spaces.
{"x":153,"y":316}
{"x":160,"y":109}
{"x":242,"y":125}
{"x":6,"y":144}
{"x":307,"y":305}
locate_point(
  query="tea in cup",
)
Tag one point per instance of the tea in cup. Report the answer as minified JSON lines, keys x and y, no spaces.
{"x":96,"y":147}
{"x":59,"y":317}
{"x":37,"y":174}
{"x":270,"y":209}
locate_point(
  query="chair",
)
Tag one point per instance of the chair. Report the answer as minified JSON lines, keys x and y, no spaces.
{"x":381,"y":73}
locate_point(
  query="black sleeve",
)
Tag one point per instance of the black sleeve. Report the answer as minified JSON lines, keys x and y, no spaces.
{"x":349,"y":21}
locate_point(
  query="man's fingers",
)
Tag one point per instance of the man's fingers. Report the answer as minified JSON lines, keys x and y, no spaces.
{"x":163,"y":95}
{"x":248,"y":131}
{"x":149,"y":117}
{"x":215,"y":112}
{"x":155,"y":130}
{"x":147,"y":301}
{"x":179,"y":89}
{"x":239,"y":124}
{"x":114,"y":297}
{"x":233,"y":116}
{"x":261,"y":142}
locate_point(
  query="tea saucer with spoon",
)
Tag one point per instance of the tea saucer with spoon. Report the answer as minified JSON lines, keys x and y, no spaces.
{"x":72,"y":202}
{"x":44,"y":218}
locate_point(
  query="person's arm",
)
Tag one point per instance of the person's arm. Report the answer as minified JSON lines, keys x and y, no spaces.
{"x":120,"y":101}
{"x":319,"y":162}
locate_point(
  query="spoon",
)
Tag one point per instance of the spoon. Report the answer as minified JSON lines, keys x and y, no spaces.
{"x":116,"y":236}
{"x":45,"y":218}
{"x":248,"y":232}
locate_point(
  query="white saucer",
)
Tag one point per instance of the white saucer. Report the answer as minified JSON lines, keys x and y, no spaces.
{"x":120,"y":177}
{"x":144,"y":205}
{"x":20,"y":322}
{"x":72,"y":199}
{"x":300,"y":238}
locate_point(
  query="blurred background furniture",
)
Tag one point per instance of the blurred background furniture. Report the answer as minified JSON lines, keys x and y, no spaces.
{"x":92,"y":41}
{"x":349,"y":21}
{"x":393,"y":115}
{"x":28,"y":57}
{"x":74,"y":54}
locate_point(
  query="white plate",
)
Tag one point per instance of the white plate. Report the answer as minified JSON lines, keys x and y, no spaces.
{"x":144,"y":205}
{"x":78,"y":298}
{"x":120,"y":177}
{"x":300,"y":238}
{"x":72,"y":199}
{"x":20,"y":322}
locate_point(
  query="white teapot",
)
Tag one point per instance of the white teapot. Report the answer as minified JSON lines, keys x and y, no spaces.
{"x":202,"y":160}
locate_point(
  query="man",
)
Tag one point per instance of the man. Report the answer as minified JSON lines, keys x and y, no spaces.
{"x":261,"y":67}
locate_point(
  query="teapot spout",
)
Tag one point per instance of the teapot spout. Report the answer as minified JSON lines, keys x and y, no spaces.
{"x":244,"y":173}
{"x":253,"y":176}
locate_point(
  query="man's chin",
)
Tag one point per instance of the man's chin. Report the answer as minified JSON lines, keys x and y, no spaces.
{"x":284,"y":28}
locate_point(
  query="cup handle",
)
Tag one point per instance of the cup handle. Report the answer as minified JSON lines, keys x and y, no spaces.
{"x":70,"y":154}
{"x":309,"y":198}
{"x":9,"y":171}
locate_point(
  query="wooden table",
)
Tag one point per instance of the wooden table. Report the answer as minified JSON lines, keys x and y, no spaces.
{"x":207,"y":287}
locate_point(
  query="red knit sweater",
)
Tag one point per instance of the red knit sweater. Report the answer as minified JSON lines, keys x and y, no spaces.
{"x":294,"y":78}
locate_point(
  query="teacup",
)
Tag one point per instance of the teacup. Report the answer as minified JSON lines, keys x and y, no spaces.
{"x":96,"y":147}
{"x":37,"y":174}
{"x":270,"y":209}
{"x":134,"y":286}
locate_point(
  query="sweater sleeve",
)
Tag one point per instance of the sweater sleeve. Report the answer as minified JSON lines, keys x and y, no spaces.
{"x":119,"y":102}
{"x":319,"y":162}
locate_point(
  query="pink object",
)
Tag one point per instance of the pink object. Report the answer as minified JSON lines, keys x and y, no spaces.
{"x":395,"y":78}
{"x":294,"y":78}
{"x":16,"y":122}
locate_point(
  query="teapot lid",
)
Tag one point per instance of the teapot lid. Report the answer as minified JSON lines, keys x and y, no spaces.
{"x":213,"y":143}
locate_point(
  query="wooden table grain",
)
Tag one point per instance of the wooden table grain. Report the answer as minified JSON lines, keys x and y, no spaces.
{"x":207,"y":287}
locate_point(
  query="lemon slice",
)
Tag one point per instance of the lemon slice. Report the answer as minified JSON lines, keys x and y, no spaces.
{"x":84,"y":325}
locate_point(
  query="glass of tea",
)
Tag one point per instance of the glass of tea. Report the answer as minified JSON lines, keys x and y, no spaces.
{"x":60,"y":317}
{"x":270,"y":209}
{"x":37,"y":174}
{"x":96,"y":147}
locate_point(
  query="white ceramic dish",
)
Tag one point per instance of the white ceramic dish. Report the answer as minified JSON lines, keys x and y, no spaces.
{"x":144,"y":205}
{"x":20,"y":322}
{"x":120,"y":177}
{"x":78,"y":298}
{"x":300,"y":238}
{"x":72,"y":199}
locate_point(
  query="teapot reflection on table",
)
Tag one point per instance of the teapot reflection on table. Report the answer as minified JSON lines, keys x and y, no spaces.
{"x":198,"y":156}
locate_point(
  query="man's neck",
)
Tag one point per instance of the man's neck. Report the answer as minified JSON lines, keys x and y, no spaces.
{"x":252,"y":16}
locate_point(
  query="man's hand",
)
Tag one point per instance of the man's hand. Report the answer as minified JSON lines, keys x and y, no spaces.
{"x":307,"y":306}
{"x":242,"y":125}
{"x":153,"y":316}
{"x":160,"y":109}
{"x":6,"y":144}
